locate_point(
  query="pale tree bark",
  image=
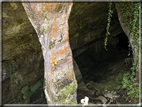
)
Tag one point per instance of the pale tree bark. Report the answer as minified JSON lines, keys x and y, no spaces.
{"x":50,"y":21}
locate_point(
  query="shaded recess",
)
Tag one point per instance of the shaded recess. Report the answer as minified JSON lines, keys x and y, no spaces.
{"x":93,"y":69}
{"x":87,"y":29}
{"x":22,"y":60}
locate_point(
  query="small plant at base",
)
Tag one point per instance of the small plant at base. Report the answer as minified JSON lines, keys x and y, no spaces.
{"x":127,"y":83}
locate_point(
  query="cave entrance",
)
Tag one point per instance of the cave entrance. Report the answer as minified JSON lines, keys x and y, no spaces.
{"x":105,"y":73}
{"x":100,"y":69}
{"x":97,"y":67}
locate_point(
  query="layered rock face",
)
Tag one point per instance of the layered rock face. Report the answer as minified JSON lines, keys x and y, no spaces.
{"x":87,"y":29}
{"x":22,"y":59}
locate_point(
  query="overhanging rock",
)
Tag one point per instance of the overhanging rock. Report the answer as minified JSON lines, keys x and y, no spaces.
{"x":50,"y":21}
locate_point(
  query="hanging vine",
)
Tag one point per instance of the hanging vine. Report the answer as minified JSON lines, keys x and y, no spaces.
{"x":110,"y":11}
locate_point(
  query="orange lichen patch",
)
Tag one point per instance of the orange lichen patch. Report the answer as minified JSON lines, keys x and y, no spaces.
{"x":52,"y":74}
{"x":65,"y":30}
{"x":33,"y":5}
{"x":56,"y":25}
{"x":64,"y":17}
{"x":60,"y":73}
{"x":63,"y":50}
{"x":69,"y":75}
{"x":53,"y":61}
{"x":55,"y":28}
{"x":53,"y":67}
{"x":56,"y":7}
{"x":46,"y":6}
{"x":60,"y":52}
{"x":49,"y":8}
{"x":66,"y":36}
{"x":52,"y":6}
{"x":54,"y":31}
{"x":50,"y":36}
{"x":57,"y":43}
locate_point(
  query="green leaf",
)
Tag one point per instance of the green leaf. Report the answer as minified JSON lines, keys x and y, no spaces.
{"x":35,"y":86}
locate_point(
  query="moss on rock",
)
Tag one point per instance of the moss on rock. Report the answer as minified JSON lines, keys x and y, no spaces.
{"x":65,"y":94}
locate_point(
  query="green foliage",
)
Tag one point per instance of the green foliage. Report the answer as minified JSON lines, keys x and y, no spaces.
{"x":28,"y":91}
{"x":65,"y":94}
{"x":24,"y":89}
{"x":68,"y":97}
{"x":133,"y":68}
{"x":6,"y":63}
{"x":108,"y":24}
{"x":45,"y":12}
{"x":41,"y":94}
{"x":42,"y":29}
{"x":35,"y":86}
{"x":68,"y":90}
{"x":25,"y":92}
{"x":127,"y":82}
{"x":46,"y":19}
{"x":118,"y":87}
{"x":130,"y":13}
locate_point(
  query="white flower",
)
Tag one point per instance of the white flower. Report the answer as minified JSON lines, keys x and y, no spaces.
{"x":85,"y":100}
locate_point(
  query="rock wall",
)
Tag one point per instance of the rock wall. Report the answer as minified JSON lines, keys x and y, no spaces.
{"x":22,"y":59}
{"x":132,"y":38}
{"x":87,"y":29}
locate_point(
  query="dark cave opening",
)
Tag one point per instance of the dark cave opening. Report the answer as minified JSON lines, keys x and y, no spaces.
{"x":123,"y":43}
{"x":93,"y":69}
{"x":86,"y":35}
{"x":106,"y":73}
